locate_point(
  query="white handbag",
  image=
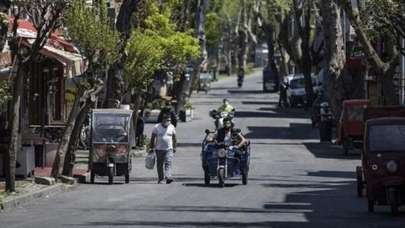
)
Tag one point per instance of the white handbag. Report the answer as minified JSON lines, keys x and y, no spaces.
{"x":150,"y":160}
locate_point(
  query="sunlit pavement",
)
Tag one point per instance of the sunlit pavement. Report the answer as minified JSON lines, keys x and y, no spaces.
{"x":294,"y":181}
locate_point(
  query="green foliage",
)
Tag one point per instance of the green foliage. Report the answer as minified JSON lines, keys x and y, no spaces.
{"x":157,"y":45}
{"x":383,"y":17}
{"x":213,"y":30}
{"x":144,"y":57}
{"x":91,"y":31}
{"x":273,"y":10}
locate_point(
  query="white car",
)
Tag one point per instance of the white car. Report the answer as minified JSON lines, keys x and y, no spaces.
{"x":295,"y":84}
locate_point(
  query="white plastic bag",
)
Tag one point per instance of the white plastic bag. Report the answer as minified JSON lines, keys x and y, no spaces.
{"x":150,"y":160}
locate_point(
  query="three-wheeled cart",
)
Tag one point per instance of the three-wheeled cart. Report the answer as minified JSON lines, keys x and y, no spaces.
{"x":112,"y":139}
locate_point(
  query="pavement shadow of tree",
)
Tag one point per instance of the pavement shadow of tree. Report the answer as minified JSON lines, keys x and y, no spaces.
{"x":328,"y":151}
{"x":294,"y":131}
{"x":259,"y":103}
{"x":273,"y":114}
{"x":330,"y":204}
{"x":232,"y":91}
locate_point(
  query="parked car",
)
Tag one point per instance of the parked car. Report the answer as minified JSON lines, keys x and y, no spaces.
{"x":382,"y":173}
{"x":295,"y":84}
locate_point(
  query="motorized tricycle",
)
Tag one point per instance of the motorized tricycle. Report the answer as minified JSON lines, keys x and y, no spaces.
{"x":270,"y":80}
{"x":112,"y":139}
{"x":224,"y":162}
{"x":220,"y":116}
{"x":204,"y":82}
{"x":351,"y":124}
{"x":382,"y":173}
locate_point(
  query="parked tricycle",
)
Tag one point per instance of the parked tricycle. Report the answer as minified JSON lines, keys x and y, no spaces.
{"x":224,"y":162}
{"x":383,"y":163}
{"x":204,"y":82}
{"x":112,"y":139}
{"x":351,"y":124}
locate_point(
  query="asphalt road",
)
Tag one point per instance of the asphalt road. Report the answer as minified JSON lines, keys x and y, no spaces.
{"x":294,"y":180}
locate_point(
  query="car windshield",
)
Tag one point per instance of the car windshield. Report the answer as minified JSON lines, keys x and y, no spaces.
{"x":355,"y":113}
{"x":387,"y":138}
{"x":110,"y":128}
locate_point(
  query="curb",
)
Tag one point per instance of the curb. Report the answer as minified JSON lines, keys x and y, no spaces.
{"x":18,"y":201}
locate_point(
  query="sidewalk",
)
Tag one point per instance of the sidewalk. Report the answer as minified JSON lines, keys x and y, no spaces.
{"x":28,"y":191}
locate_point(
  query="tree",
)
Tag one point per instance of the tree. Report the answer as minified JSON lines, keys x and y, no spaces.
{"x":270,"y":14}
{"x":381,"y":11}
{"x":45,"y":17}
{"x":90,"y":30}
{"x":334,"y":53}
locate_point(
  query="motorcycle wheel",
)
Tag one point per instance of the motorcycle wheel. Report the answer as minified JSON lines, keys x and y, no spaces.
{"x":207,"y":178}
{"x":110,"y":175}
{"x":92,"y":177}
{"x":245,"y":177}
{"x":359,"y":182}
{"x":221,"y":178}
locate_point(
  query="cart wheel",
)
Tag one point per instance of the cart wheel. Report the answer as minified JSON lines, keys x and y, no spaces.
{"x":207,"y":177}
{"x":127,"y":178}
{"x":245,"y":175}
{"x":370,"y":205}
{"x":110,"y":175}
{"x":92,"y":177}
{"x":221,"y":178}
{"x":393,"y":201}
{"x":360,"y":183}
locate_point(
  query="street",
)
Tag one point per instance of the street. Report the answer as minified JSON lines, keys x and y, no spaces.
{"x":293,"y":182}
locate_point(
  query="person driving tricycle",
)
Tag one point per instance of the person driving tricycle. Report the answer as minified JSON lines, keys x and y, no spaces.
{"x":229,"y":136}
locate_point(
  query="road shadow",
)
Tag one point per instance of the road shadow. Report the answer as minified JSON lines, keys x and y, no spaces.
{"x":294,"y":131}
{"x":232,"y":91}
{"x":259,"y":103}
{"x":212,"y":185}
{"x":329,"y":151}
{"x":274,"y":114}
{"x":331,"y":204}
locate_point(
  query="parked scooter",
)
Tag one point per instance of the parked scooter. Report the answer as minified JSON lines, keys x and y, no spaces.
{"x":325,"y":127}
{"x":220,"y":116}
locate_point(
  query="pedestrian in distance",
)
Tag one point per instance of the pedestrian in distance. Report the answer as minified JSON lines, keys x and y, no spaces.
{"x":163,"y":141}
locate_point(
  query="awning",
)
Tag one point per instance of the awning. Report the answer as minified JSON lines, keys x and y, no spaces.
{"x":74,"y":64}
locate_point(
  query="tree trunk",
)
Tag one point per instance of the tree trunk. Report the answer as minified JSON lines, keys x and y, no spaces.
{"x":271,"y":50}
{"x":200,"y":18}
{"x":70,"y":157}
{"x":334,"y":54}
{"x":243,"y":41}
{"x":18,"y":91}
{"x":67,"y":135}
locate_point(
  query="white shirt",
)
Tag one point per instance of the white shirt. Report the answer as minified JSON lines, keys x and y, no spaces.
{"x":164,"y":136}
